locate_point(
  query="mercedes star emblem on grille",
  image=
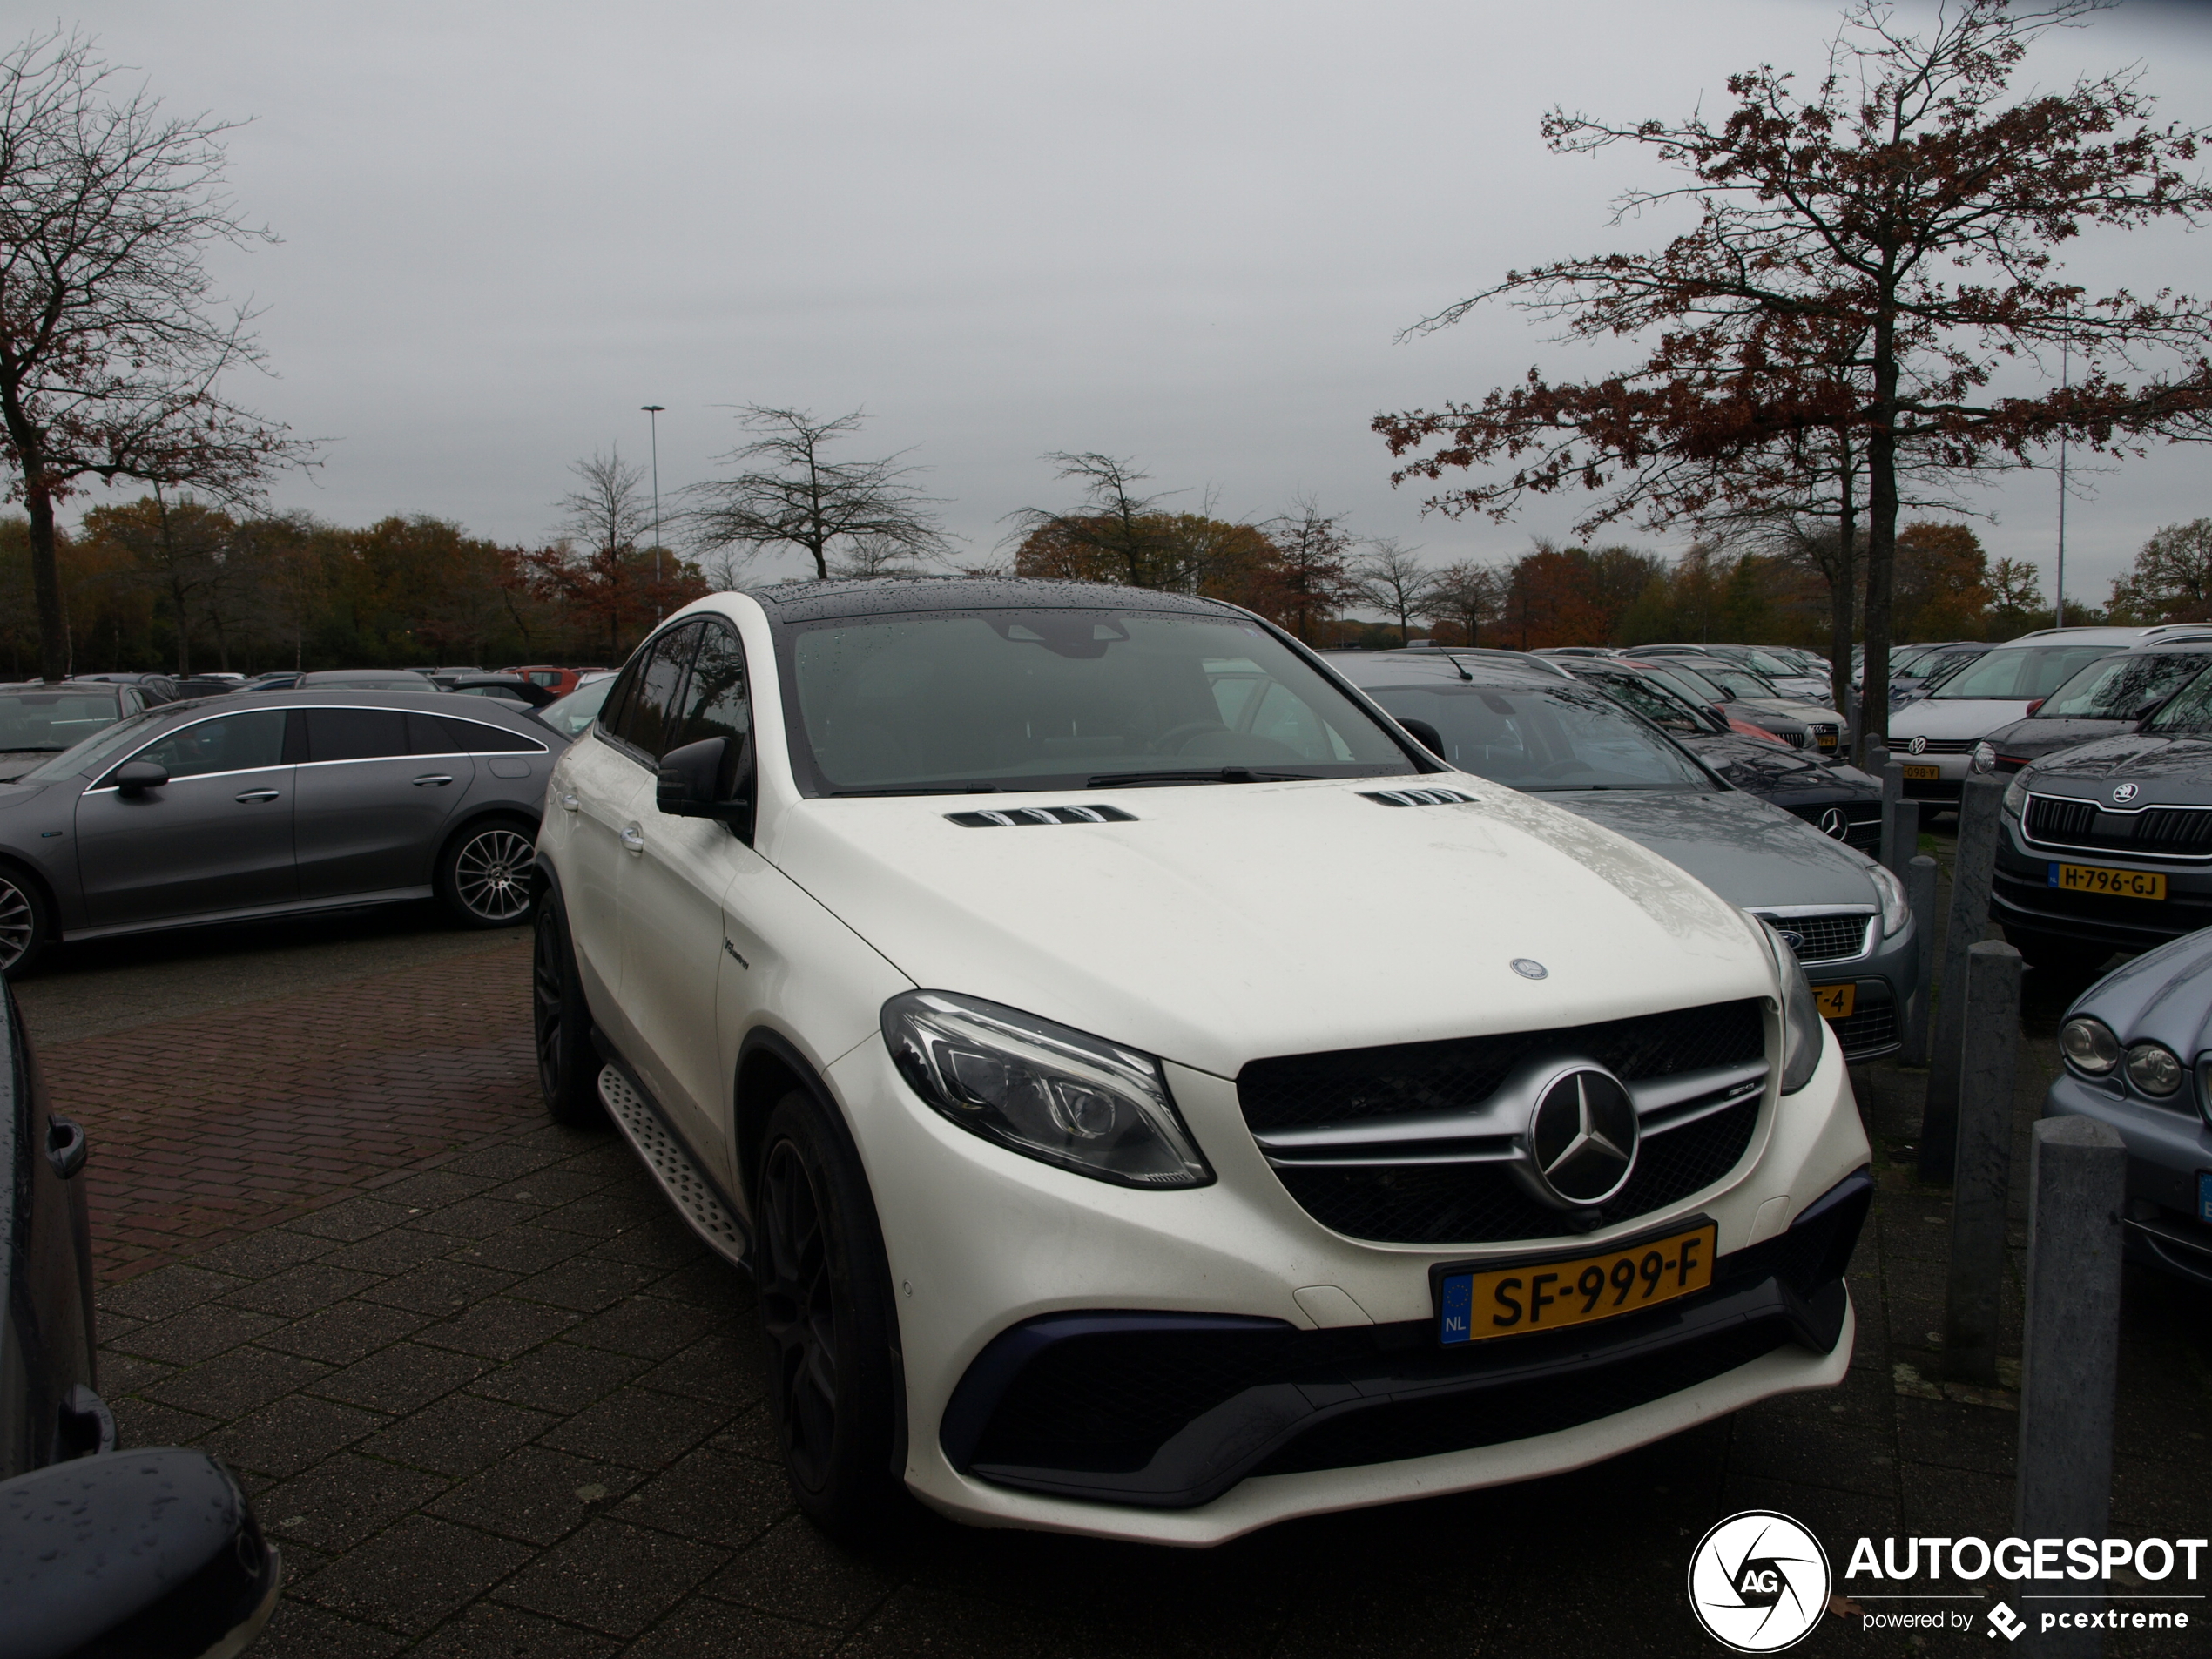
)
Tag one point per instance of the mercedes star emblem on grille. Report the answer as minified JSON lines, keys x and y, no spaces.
{"x":1833,"y":822}
{"x":1583,"y":1137}
{"x":1918,"y":746}
{"x":2124,"y":792}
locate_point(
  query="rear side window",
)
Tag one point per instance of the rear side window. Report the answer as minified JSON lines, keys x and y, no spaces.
{"x":233,"y":743}
{"x":650,"y":717}
{"x":355,"y":734}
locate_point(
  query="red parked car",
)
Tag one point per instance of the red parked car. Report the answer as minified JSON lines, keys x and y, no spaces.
{"x":559,"y":681}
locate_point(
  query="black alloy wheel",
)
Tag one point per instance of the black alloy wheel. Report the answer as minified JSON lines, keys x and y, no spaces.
{"x":26,"y":923}
{"x":567,"y":1070}
{"x":485,"y":875}
{"x":824,"y":1297}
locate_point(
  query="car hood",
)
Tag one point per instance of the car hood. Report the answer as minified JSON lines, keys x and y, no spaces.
{"x":1751,"y":853}
{"x":1953,"y":717}
{"x":16,"y":762}
{"x":1768,"y":770}
{"x":14,"y":795}
{"x":2032,"y":739}
{"x":2164,"y":769}
{"x":2164,"y":996}
{"x":1226,"y":922}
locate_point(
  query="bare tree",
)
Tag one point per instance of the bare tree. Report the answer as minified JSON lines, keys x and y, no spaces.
{"x":1467,"y":596}
{"x":1388,"y":577}
{"x":1116,"y":535}
{"x":797,"y":496}
{"x":111,"y":340}
{"x":875,"y":556}
{"x":609,"y":510}
{"x":1313,"y":573}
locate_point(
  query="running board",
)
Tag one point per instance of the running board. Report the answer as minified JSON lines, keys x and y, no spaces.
{"x":672,"y":1166}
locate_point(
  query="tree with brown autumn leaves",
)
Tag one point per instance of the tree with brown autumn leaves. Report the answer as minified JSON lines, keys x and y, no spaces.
{"x":1874,"y":265}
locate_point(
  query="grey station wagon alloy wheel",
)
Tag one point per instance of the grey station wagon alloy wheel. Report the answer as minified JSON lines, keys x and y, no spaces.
{"x":487,"y":876}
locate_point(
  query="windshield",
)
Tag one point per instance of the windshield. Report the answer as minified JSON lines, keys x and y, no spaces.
{"x":1735,"y":682}
{"x":54,"y":720}
{"x":1662,"y":707}
{"x":570,"y":715}
{"x":2121,"y":688}
{"x":1687,"y":683}
{"x":2020,"y":675}
{"x":2190,"y":709}
{"x":90,"y":755}
{"x":957,"y":702}
{"x":1544,"y":742}
{"x":1767,"y":663}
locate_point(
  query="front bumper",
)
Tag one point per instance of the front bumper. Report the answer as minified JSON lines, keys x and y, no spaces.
{"x":2022,"y":897}
{"x":1883,"y":981}
{"x":2166,"y":1151}
{"x":985,"y":1245}
{"x":1952,"y":773}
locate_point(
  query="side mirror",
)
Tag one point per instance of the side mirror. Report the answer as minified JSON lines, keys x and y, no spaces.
{"x":1426,"y":735}
{"x":710,"y":779}
{"x":135,"y":777}
{"x":134,"y":1552}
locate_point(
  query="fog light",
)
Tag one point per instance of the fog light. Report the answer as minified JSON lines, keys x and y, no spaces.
{"x":2089,"y":1045}
{"x":2152,"y":1068}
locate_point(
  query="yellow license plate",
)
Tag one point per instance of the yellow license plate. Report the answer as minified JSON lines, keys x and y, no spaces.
{"x":1474,"y":1304}
{"x":2122,"y":884}
{"x":1825,"y":740}
{"x":1835,"y":1001}
{"x":1922,"y":775}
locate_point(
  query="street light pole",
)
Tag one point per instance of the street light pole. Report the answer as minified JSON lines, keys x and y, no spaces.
{"x":652,"y":413}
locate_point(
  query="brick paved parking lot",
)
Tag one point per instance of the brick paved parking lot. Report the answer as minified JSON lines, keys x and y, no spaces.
{"x":494,"y":1399}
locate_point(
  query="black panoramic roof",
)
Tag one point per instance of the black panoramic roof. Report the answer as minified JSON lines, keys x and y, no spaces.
{"x":897,"y":595}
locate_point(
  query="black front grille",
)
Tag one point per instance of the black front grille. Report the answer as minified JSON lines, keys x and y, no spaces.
{"x":1826,"y":939}
{"x":1935,"y":746}
{"x":1476,"y":1203}
{"x":1867,"y":1030}
{"x":2177,"y":830}
{"x":1344,"y":1086}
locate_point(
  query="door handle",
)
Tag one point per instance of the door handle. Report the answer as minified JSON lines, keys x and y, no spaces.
{"x":256,"y":794}
{"x":569,"y":803}
{"x":434,"y":777}
{"x":633,"y":839}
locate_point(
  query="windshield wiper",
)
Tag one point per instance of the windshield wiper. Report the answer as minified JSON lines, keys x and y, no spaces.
{"x":1219,"y":775}
{"x":920,"y":789}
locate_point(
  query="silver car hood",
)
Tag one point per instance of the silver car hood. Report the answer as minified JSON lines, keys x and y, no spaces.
{"x":1752,"y":854}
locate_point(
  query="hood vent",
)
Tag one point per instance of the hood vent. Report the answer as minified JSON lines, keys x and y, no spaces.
{"x":1021,"y":816}
{"x":1417,"y":798}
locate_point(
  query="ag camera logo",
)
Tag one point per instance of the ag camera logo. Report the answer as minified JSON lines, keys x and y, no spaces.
{"x":1758,"y":1581}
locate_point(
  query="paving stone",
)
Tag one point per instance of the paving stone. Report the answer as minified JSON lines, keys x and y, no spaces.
{"x":646,"y":1326}
{"x":511,"y":1162}
{"x":343,"y":1498}
{"x":458,"y":1434}
{"x":646,"y":1430}
{"x":403,"y":1378}
{"x":549,"y":1187}
{"x":236,"y":1383}
{"x":795,"y":1573}
{"x":437,"y":1288}
{"x":704,"y":1629}
{"x":1833,"y":1437}
{"x":522,"y":1249}
{"x":123,"y":1373}
{"x":488,"y":1630}
{"x":395,"y":1251}
{"x":559,"y":1378}
{"x":140,"y":1422}
{"x":475,"y":1218}
{"x":296,"y":1433}
{"x":196,"y":1334}
{"x":920,"y":1621}
{"x":537,"y":1494}
{"x":751,"y":1434}
{"x":356,"y":1218}
{"x":603,"y":1214}
{"x":433,"y":1188}
{"x":662,"y":1241}
{"x":299,"y":1291}
{"x":500,"y":1327}
{"x":612,"y":1577}
{"x":265,"y":1254}
{"x":340,"y":1335}
{"x":585,"y":1283}
{"x":713,"y":1496}
{"x":710,"y":1283}
{"x":301,"y":1630}
{"x":164,"y":1292}
{"x":729,"y":1367}
{"x":415,"y":1573}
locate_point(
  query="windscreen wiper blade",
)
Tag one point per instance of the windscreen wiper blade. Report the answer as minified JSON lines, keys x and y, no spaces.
{"x":1218,"y":775}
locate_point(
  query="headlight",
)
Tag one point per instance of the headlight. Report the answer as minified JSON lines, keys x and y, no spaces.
{"x":1890,"y":892}
{"x":2152,"y":1068}
{"x":1802,"y":1029}
{"x":2089,"y":1045}
{"x":2016,"y":795}
{"x":1985,"y":759}
{"x":1042,"y":1090}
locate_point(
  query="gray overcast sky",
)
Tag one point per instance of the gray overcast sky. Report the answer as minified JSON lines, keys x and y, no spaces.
{"x":1186,"y":232}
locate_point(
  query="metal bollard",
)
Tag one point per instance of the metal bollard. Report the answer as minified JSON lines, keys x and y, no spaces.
{"x":2070,"y":1351}
{"x":1970,"y":877}
{"x":1983,"y":1164}
{"x":1904,"y":824}
{"x":1920,"y":893}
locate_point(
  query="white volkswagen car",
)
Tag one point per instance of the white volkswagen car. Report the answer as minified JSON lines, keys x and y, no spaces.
{"x":1154,"y":1096}
{"x":1935,"y":737}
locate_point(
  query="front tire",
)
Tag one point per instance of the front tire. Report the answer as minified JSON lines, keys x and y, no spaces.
{"x":826,"y":1310}
{"x":568,"y":1066}
{"x":26,"y":923}
{"x":484,"y":875}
